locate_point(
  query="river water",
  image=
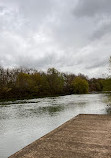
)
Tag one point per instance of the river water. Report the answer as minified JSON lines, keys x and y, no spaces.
{"x":23,"y":121}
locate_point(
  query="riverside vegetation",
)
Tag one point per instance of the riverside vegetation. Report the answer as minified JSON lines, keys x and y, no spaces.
{"x":28,"y":83}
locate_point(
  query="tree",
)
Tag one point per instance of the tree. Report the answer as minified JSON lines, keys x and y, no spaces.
{"x":55,"y":80}
{"x":80,"y":86}
{"x":107,"y":81}
{"x":107,"y":84}
{"x":95,"y":84}
{"x":68,"y":78}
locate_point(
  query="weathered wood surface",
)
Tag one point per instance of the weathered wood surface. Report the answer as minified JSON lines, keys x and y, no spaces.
{"x":85,"y":136}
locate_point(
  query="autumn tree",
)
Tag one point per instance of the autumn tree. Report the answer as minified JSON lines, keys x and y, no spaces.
{"x":68,"y":87}
{"x":80,"y":86}
{"x":55,"y":80}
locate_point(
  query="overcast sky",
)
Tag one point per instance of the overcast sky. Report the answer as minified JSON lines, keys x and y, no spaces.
{"x":70,"y":35}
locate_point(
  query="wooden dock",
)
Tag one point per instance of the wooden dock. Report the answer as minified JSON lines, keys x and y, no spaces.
{"x":85,"y":136}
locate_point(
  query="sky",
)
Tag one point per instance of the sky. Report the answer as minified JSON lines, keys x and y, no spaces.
{"x":73,"y":36}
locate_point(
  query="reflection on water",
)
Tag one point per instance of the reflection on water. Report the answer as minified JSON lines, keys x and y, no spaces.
{"x":108,"y":110}
{"x":23,"y":121}
{"x":51,"y":110}
{"x":17,"y":102}
{"x":109,"y":99}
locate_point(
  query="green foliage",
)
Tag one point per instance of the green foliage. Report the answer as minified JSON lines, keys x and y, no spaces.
{"x":55,"y":80}
{"x":23,"y":81}
{"x":107,"y":84}
{"x":28,"y":83}
{"x":80,"y":86}
{"x":95,"y":85}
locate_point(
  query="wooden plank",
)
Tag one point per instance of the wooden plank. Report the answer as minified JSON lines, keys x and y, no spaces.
{"x":85,"y":136}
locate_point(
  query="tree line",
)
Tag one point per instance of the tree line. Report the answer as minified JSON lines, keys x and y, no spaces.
{"x":20,"y":83}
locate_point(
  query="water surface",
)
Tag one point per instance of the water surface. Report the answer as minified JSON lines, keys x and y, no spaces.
{"x":23,"y":121}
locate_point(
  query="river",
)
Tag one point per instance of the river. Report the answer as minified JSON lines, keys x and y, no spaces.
{"x":23,"y":121}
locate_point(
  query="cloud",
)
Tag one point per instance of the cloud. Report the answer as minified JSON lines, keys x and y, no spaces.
{"x":102,"y":30}
{"x":72,"y":36}
{"x":93,"y":8}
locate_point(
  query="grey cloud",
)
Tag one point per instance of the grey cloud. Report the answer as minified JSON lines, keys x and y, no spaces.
{"x":24,"y":15}
{"x":42,"y":34}
{"x":2,"y":8}
{"x":91,"y":8}
{"x":96,"y":64}
{"x":102,"y":30}
{"x":43,"y":62}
